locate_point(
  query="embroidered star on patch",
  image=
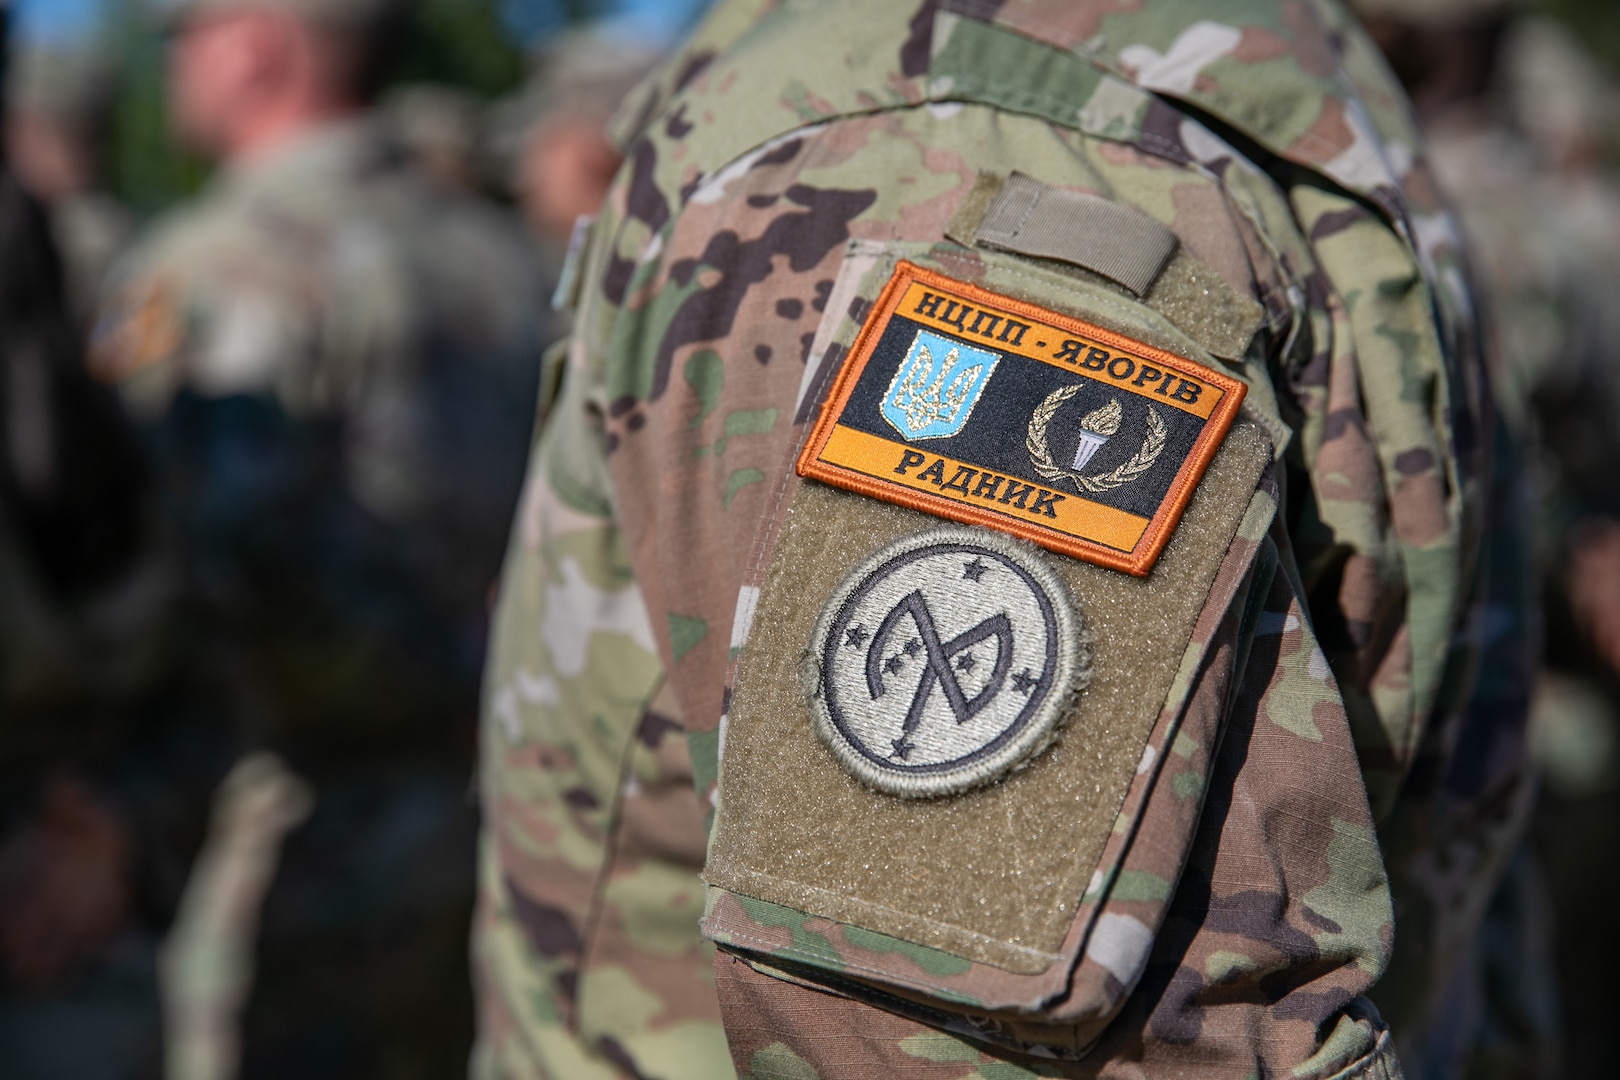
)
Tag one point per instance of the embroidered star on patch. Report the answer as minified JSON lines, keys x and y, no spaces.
{"x":988,"y":410}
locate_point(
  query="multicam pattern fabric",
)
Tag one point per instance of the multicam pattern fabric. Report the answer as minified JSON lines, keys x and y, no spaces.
{"x":1327,"y":737}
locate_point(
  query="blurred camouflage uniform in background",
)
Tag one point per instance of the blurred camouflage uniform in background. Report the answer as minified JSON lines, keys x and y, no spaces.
{"x":551,"y":145}
{"x":58,"y":103}
{"x":553,"y":137}
{"x":335,"y":365}
{"x":1333,"y":746}
{"x":101,"y":779}
{"x":1517,"y":115}
{"x":1527,"y":168}
{"x":439,"y":129}
{"x":103,"y":772}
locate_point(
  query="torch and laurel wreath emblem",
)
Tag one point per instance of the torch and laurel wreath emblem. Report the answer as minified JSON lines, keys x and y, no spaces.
{"x":1102,"y":422}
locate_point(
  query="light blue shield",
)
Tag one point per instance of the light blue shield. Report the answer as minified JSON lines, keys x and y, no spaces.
{"x":936,"y":386}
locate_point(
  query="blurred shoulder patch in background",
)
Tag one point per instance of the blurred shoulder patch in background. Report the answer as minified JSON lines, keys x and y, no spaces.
{"x":141,"y":327}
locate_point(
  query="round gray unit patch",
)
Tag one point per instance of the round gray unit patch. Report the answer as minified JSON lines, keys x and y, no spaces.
{"x":945,"y":661}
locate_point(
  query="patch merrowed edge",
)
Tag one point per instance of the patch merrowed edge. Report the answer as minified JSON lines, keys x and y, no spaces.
{"x":945,"y":661}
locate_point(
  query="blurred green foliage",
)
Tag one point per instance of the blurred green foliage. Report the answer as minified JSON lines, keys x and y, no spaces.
{"x":143,"y":166}
{"x":460,"y":43}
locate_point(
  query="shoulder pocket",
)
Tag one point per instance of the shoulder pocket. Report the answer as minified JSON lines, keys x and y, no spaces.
{"x":1026,"y":892}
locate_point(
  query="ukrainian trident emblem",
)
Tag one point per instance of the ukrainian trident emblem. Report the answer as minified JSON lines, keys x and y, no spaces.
{"x":935,"y":388}
{"x":1096,"y":428}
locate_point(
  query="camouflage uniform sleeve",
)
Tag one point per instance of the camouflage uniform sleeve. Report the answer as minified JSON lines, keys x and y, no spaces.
{"x":586,"y":954}
{"x":1238,"y":911}
{"x":1242,"y":909}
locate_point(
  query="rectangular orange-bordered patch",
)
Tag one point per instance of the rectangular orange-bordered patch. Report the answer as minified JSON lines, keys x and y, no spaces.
{"x":988,"y":410}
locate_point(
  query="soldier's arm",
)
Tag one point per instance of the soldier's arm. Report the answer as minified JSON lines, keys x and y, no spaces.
{"x":1237,"y":907}
{"x":1185,"y":879}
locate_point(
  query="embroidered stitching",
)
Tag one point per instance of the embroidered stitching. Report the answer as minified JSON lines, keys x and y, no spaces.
{"x":944,"y":662}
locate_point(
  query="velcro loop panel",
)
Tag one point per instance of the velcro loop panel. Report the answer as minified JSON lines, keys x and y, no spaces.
{"x":1206,"y":308}
{"x":994,"y":876}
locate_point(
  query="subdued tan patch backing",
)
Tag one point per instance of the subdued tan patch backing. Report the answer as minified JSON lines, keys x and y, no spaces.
{"x":1205,"y":308}
{"x":993,"y":875}
{"x":965,"y":222}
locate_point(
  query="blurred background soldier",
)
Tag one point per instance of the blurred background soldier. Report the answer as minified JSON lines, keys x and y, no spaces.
{"x":1516,"y":112}
{"x":438,"y":128}
{"x":335,"y":365}
{"x":555,"y":133}
{"x":551,"y":142}
{"x":58,"y":107}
